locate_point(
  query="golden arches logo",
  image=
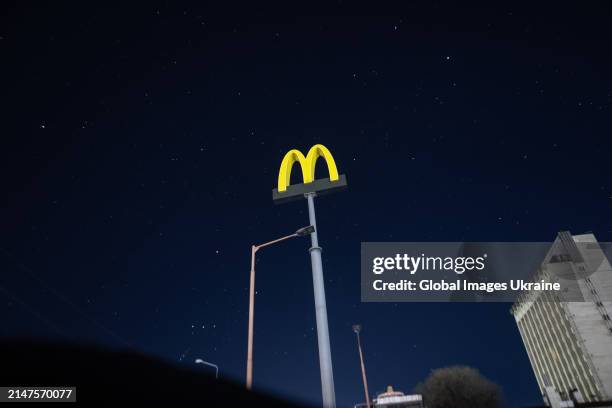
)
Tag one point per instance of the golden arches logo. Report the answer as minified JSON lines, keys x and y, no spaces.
{"x":308,"y":165}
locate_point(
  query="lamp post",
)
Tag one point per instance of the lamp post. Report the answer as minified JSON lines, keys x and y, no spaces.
{"x":299,"y":233}
{"x":357,"y":329}
{"x":216,"y":367}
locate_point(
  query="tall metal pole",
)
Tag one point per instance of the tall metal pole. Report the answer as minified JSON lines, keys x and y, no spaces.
{"x":249,"y":373}
{"x":325,"y":361}
{"x":254,"y":249}
{"x":357,"y":329}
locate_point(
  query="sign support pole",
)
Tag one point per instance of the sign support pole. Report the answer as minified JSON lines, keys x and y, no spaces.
{"x":325,"y":361}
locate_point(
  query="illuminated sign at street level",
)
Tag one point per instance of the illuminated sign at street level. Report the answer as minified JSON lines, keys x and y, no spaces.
{"x":286,"y":192}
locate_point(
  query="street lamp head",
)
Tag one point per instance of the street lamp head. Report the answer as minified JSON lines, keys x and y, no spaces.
{"x":305,"y":231}
{"x":357,"y":328}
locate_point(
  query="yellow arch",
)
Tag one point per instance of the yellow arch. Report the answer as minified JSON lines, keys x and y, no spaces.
{"x":308,"y":165}
{"x":284,"y":174}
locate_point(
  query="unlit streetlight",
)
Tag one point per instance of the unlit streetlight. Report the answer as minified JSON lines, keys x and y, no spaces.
{"x":301,"y":232}
{"x":357,"y":330}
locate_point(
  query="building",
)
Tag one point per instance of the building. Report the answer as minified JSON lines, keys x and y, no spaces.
{"x":395,"y":399}
{"x":569,"y":343}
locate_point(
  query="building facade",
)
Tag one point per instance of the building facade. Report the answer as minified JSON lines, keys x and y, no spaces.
{"x":394,"y":399}
{"x":569,"y":343}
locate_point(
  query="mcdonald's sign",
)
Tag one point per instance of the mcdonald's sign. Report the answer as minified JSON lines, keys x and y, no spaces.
{"x":287,"y":192}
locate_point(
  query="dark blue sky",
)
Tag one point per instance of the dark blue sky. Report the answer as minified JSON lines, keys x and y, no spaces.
{"x":141,"y":145}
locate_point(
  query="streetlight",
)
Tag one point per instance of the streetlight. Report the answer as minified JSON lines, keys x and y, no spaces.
{"x":299,"y":233}
{"x":216,"y":367}
{"x":357,"y":329}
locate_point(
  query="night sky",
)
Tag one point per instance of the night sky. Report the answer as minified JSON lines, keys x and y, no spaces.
{"x":140,"y":145}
